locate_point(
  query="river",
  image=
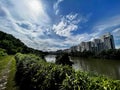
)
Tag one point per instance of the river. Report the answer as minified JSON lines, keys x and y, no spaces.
{"x":110,"y":68}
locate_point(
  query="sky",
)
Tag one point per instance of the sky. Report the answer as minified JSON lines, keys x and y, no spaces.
{"x":51,"y":25}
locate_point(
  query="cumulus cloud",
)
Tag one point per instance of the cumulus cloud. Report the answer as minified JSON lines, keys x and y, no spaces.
{"x":35,"y":29}
{"x":67,"y":24}
{"x":29,"y":21}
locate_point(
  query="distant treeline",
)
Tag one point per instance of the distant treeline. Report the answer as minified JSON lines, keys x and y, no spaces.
{"x":12,"y":45}
{"x":106,"y":54}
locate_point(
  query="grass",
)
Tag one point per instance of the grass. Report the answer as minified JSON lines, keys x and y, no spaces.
{"x":3,"y":62}
{"x":11,"y":85}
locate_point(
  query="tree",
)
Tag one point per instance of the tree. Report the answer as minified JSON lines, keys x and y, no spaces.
{"x":63,"y":59}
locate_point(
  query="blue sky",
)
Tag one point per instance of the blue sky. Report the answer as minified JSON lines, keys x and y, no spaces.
{"x":59,"y":24}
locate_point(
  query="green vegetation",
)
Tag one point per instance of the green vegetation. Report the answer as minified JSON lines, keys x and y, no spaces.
{"x":11,"y":84}
{"x":84,"y":54}
{"x":85,"y":81}
{"x":33,"y":73}
{"x":7,"y":63}
{"x":106,"y":54}
{"x":30,"y":72}
{"x":110,"y":54}
{"x":63,"y":59}
{"x":11,"y":45}
{"x":4,"y":61}
{"x":3,"y":52}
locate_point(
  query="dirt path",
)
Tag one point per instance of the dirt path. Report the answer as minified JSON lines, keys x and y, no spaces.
{"x":4,"y":75}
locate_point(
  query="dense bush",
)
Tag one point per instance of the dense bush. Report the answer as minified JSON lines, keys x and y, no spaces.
{"x":33,"y":73}
{"x":84,"y":81}
{"x":63,"y":59}
{"x":3,"y":52}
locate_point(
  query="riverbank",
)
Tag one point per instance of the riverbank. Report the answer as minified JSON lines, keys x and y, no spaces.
{"x":105,"y":54}
{"x":109,"y":68}
{"x":34,"y":73}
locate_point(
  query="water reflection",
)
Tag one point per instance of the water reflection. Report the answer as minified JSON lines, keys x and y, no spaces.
{"x":109,"y":68}
{"x":50,"y":58}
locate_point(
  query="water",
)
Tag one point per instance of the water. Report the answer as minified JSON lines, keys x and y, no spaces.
{"x":50,"y":58}
{"x":110,"y":68}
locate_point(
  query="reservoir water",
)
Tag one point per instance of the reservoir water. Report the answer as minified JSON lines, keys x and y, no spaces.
{"x":110,"y":68}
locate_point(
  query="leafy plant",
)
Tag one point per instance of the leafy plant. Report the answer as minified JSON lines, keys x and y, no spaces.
{"x":33,"y":73}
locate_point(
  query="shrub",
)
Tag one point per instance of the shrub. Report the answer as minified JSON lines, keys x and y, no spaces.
{"x":82,"y":81}
{"x":63,"y":60}
{"x":33,"y":73}
{"x":3,"y":52}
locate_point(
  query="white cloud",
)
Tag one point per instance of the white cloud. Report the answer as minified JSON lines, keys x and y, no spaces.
{"x":66,"y":25}
{"x":107,"y":23}
{"x":30,"y":10}
{"x":99,"y":29}
{"x":24,"y":12}
{"x":20,"y":20}
{"x":32,"y":25}
{"x":56,"y":6}
{"x":116,"y":31}
{"x":77,"y":39}
{"x":63,"y":28}
{"x":36,"y":35}
{"x":111,"y":24}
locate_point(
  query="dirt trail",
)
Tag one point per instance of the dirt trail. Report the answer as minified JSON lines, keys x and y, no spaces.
{"x":4,"y":75}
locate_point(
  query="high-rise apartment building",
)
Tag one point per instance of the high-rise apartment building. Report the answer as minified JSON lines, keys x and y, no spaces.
{"x":104,"y":43}
{"x":108,"y":41}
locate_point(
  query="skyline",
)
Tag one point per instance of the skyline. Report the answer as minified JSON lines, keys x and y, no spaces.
{"x":59,"y":24}
{"x":104,"y":42}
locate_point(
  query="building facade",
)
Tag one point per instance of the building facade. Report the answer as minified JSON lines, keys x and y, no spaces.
{"x":106,"y":42}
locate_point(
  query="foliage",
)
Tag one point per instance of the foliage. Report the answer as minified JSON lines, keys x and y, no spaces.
{"x":106,"y":54}
{"x":84,"y":54}
{"x":10,"y":44}
{"x":13,"y":45}
{"x":83,"y":81}
{"x":3,"y":52}
{"x":110,"y":54}
{"x":63,"y":59}
{"x":11,"y":85}
{"x":33,"y":73}
{"x":3,"y":62}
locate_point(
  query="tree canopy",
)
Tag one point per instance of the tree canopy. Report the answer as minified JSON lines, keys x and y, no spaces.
{"x":13,"y":45}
